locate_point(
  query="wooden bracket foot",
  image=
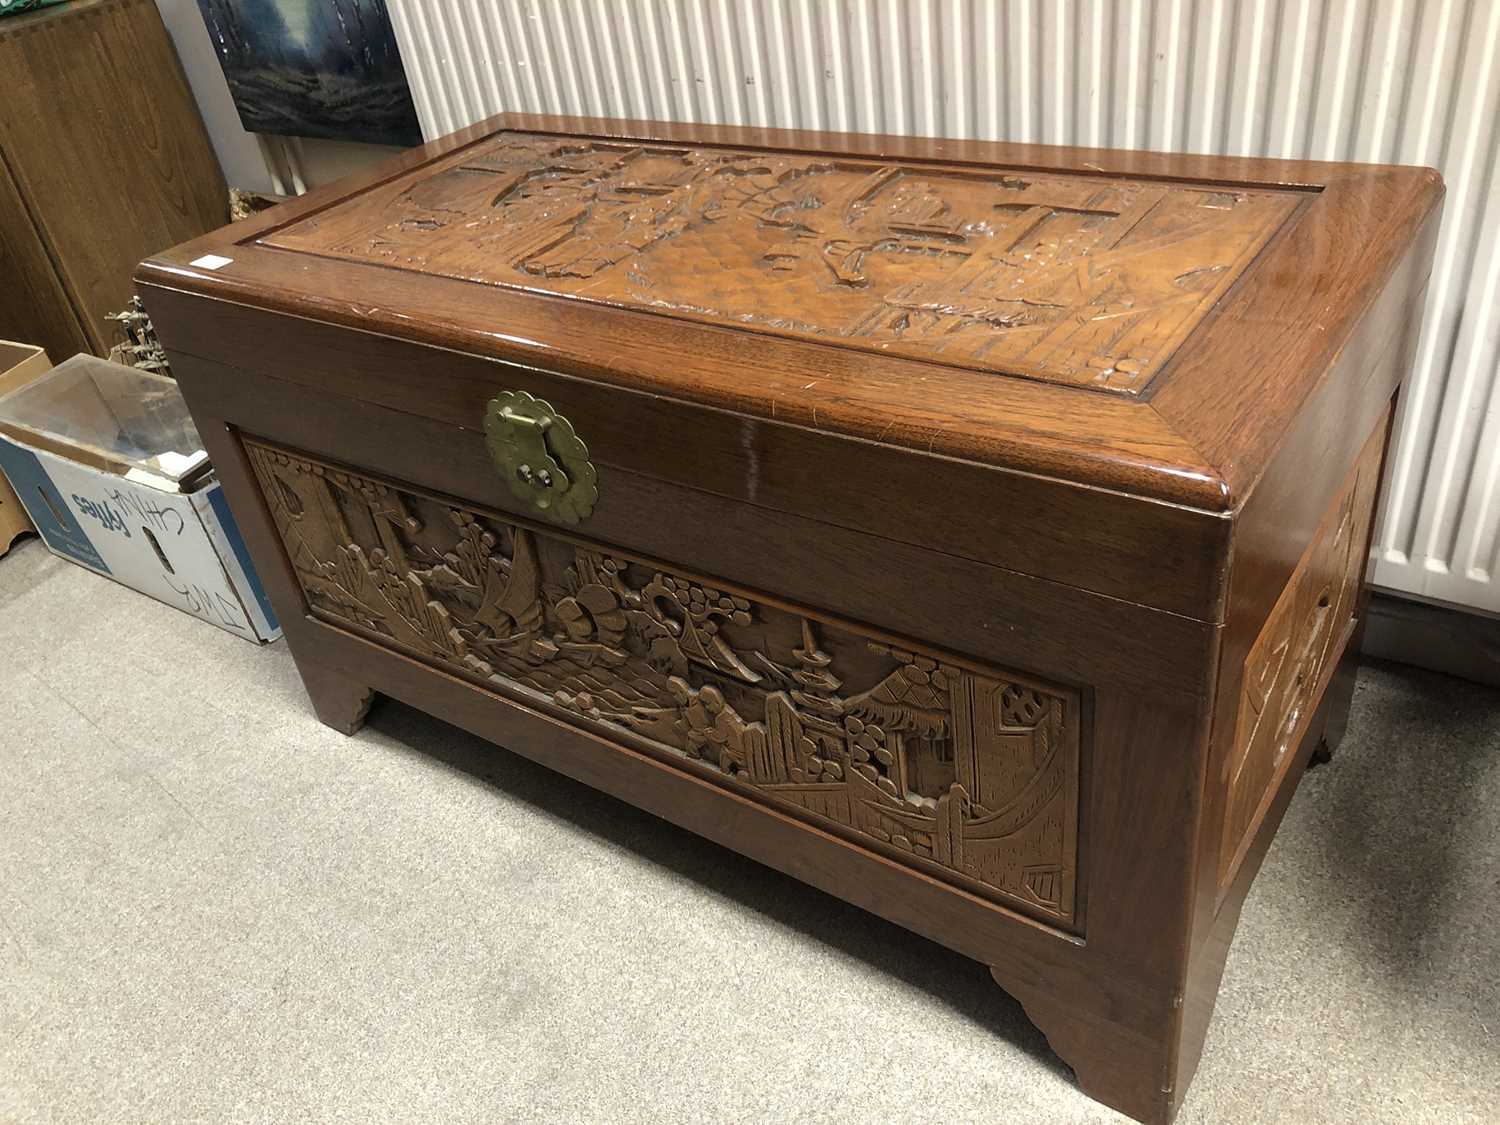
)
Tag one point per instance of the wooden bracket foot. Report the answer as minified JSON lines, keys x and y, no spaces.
{"x":1113,"y":1064}
{"x":340,"y":702}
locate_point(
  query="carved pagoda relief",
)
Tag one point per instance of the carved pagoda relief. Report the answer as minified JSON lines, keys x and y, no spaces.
{"x":971,"y":774}
{"x":1071,"y":279}
{"x":1289,"y":658}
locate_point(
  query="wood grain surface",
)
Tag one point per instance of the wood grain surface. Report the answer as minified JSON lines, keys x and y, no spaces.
{"x":1201,"y":435}
{"x":1125,"y":547}
{"x":1069,"y":279}
{"x":37,"y":308}
{"x":108,"y":157}
{"x":853,"y":501}
{"x":972,"y":771}
{"x":1298,"y":642}
{"x":983,"y":612}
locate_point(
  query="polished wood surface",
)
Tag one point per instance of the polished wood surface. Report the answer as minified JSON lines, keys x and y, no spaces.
{"x":1115,"y":572}
{"x":1069,"y":279}
{"x":1299,"y":639}
{"x":1127,"y":548}
{"x":103,"y":160}
{"x":38,"y":307}
{"x":994,"y":616}
{"x":1248,"y":373}
{"x":970,"y":771}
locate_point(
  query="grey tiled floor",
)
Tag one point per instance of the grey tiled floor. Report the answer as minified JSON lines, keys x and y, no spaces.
{"x":214,"y":909}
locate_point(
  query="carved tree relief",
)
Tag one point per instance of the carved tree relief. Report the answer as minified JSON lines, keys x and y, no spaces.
{"x":1300,"y":638}
{"x":971,"y":774}
{"x":1070,"y":279}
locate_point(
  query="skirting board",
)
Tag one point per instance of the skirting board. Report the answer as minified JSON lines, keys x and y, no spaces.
{"x":1431,"y":635}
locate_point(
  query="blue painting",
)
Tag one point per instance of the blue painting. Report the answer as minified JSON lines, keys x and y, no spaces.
{"x":314,"y":68}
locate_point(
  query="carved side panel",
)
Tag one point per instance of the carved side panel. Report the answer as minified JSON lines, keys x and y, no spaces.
{"x":1084,"y":280}
{"x":967,"y":773}
{"x":1287,"y":662}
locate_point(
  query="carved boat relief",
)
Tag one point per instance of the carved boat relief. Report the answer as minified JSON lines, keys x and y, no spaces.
{"x":967,"y":773}
{"x":1303,"y":634}
{"x":1070,"y":279}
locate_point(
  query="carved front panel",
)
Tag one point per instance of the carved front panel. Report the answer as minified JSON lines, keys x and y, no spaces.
{"x":1084,"y":280}
{"x":1288,"y":661}
{"x":969,"y":773}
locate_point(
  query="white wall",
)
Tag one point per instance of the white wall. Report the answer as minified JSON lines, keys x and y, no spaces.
{"x":1405,"y":81}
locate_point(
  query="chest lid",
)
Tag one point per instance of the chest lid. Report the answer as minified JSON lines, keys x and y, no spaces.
{"x":1097,"y":323}
{"x":1076,"y":280}
{"x":1123,"y":319}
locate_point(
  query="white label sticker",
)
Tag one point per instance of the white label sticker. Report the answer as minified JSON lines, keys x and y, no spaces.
{"x":176,"y":463}
{"x":211,"y":262}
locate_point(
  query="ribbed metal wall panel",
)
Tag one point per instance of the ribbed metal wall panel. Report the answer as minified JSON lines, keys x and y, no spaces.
{"x":1409,"y":81}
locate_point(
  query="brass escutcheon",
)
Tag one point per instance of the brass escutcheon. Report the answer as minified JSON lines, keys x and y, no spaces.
{"x":540,"y":456}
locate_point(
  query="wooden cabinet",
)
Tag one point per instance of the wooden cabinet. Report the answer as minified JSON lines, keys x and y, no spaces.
{"x":977,"y":532}
{"x":103,"y":160}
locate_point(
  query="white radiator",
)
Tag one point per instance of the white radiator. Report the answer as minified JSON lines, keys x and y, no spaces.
{"x":1408,"y":81}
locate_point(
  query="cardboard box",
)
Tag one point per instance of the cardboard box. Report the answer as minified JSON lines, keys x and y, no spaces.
{"x":19,"y":365}
{"x":107,"y":463}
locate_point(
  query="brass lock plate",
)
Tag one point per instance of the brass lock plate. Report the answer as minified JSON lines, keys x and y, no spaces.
{"x":541,"y":456}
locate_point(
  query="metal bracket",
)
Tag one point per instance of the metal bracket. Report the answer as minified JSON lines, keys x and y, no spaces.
{"x":541,"y":457}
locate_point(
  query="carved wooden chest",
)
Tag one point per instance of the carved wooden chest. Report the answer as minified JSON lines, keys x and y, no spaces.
{"x":974,"y":531}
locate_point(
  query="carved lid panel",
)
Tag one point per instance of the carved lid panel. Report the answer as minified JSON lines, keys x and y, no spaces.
{"x":1080,"y":280}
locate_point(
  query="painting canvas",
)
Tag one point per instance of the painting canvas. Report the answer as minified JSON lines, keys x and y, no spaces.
{"x":314,"y":68}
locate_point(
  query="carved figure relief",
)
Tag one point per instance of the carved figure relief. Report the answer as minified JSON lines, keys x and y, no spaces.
{"x":1299,"y":639}
{"x":1069,"y":279}
{"x":972,"y":774}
